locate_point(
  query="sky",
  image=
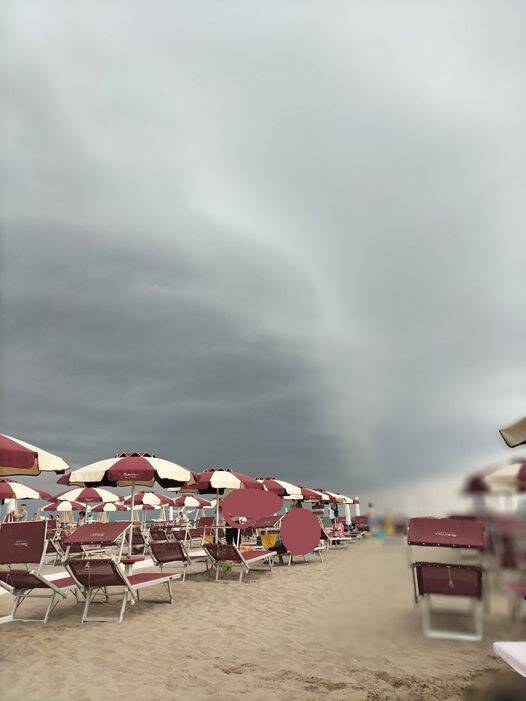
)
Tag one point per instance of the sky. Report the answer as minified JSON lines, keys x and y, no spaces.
{"x":286,"y":237}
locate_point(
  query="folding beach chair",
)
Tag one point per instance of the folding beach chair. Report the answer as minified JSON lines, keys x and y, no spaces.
{"x":362,"y":524}
{"x":95,"y":576}
{"x":25,"y":544}
{"x":96,"y":538}
{"x":170,"y":552}
{"x":219,"y":553}
{"x":332,"y":539}
{"x":445,"y":578}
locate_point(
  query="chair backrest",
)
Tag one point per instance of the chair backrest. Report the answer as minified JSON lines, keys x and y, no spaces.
{"x":158,"y":533}
{"x":448,"y":580}
{"x":362,"y":523}
{"x":168,"y":551}
{"x":446,"y":533}
{"x":268,"y":521}
{"x":222,"y":553}
{"x":205,"y":521}
{"x":22,"y":543}
{"x":96,"y":534}
{"x":92,"y":573}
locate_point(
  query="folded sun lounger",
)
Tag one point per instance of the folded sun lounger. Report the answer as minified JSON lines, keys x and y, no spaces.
{"x":445,"y":578}
{"x":22,"y":545}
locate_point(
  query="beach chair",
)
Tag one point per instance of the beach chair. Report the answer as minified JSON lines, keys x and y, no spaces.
{"x":170,"y":552}
{"x":95,"y":576}
{"x":220,"y":553}
{"x":331,"y":539}
{"x":95,"y":539}
{"x":446,"y":578}
{"x":22,"y":545}
{"x":362,"y":524}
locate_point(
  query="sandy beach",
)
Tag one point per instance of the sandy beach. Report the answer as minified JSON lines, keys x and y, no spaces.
{"x":344,"y":629}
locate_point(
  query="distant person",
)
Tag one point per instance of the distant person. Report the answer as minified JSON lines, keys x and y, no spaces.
{"x":82,"y":519}
{"x":21,"y":514}
{"x":297,"y":504}
{"x":334,"y":513}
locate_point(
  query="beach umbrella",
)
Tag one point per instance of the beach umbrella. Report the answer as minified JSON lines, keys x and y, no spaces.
{"x":20,"y":458}
{"x":335,"y":498}
{"x":64,"y":506}
{"x":88,"y":495}
{"x":110,"y":507}
{"x":515,"y":434}
{"x":192,"y":502}
{"x":151,"y":499}
{"x":9,"y":489}
{"x":130,"y":470}
{"x":220,"y":478}
{"x":313,"y":494}
{"x":280,"y":487}
{"x":503,"y":478}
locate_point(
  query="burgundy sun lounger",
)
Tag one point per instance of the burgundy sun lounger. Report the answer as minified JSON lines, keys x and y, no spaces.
{"x":444,"y":578}
{"x":94,"y":576}
{"x":173,"y":552}
{"x":25,"y":544}
{"x":219,"y":553}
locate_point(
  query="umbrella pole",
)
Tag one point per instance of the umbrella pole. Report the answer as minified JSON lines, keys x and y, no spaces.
{"x":217,"y":516}
{"x":131,"y":520}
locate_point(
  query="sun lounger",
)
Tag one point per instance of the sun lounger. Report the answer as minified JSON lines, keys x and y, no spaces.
{"x":172,"y":552}
{"x":362,"y":524}
{"x":445,"y":578}
{"x":95,"y":576}
{"x":219,"y":553}
{"x":25,"y":544}
{"x":332,"y":539}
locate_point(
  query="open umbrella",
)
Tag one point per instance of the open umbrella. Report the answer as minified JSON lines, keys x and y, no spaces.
{"x":280,"y":487}
{"x":503,"y":478}
{"x":220,"y":478}
{"x":130,"y":470}
{"x":9,"y":489}
{"x":110,"y":506}
{"x":150,"y":498}
{"x":313,"y":494}
{"x":64,"y":506}
{"x":515,"y":434}
{"x":20,"y":458}
{"x":192,"y":502}
{"x":88,"y":495}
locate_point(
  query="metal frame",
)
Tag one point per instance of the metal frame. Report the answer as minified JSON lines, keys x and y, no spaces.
{"x":245,"y":566}
{"x":477,"y":608}
{"x":22,"y":594}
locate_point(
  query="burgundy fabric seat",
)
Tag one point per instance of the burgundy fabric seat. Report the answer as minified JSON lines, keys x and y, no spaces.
{"x":220,"y":553}
{"x":96,"y":575}
{"x":446,"y":578}
{"x":26,"y":544}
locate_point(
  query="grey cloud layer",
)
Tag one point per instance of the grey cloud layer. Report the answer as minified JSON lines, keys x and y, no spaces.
{"x":285,"y":239}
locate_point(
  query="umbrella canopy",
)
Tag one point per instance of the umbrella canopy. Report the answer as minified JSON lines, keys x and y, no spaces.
{"x":88,"y":495}
{"x":110,"y":506}
{"x":335,"y":498}
{"x":515,"y":434}
{"x":313,"y":494}
{"x":20,"y":458}
{"x":64,"y":506}
{"x":126,"y":470}
{"x":281,"y":488}
{"x":193,"y":502}
{"x":219,"y":478}
{"x":14,"y":490}
{"x":150,"y":498}
{"x":507,"y":478}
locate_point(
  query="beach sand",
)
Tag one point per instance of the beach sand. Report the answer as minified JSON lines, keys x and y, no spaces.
{"x":344,"y":629}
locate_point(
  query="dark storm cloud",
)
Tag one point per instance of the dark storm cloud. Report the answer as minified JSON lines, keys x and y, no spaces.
{"x":284,"y":238}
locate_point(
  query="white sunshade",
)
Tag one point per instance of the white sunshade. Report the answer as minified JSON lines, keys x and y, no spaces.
{"x":47,"y":462}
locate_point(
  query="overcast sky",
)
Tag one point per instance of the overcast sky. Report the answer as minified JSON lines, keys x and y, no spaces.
{"x":286,"y":237}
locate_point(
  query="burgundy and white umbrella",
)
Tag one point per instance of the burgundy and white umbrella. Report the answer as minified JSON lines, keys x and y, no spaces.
{"x":20,"y":458}
{"x":152,"y":499}
{"x":220,"y":478}
{"x":9,"y":489}
{"x":280,"y":487}
{"x":65,"y":506}
{"x":193,"y":502}
{"x":132,"y":469}
{"x":110,"y":507}
{"x":335,"y":498}
{"x":88,"y":495}
{"x":507,"y":478}
{"x":313,"y":494}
